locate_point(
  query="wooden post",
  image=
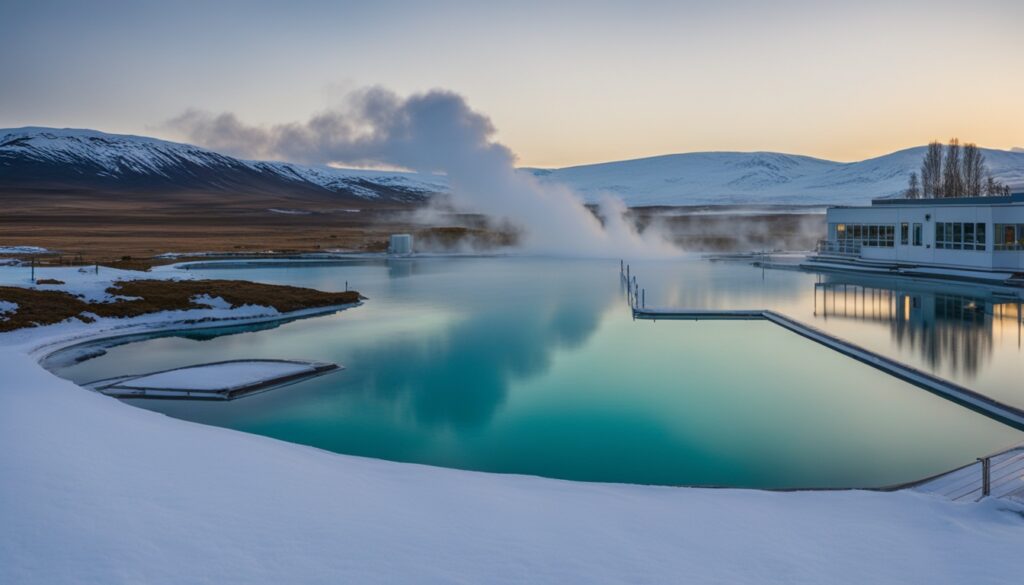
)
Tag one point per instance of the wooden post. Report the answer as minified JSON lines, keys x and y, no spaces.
{"x":33,"y":270}
{"x":643,"y":298}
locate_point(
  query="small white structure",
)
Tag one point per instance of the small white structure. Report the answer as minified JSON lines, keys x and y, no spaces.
{"x":400,"y":244}
{"x":973,"y":238}
{"x":214,"y":381}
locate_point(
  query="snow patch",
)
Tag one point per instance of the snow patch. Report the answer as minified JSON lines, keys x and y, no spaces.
{"x":23,"y":250}
{"x":7,"y":307}
{"x":290,"y":211}
{"x":212,"y":302}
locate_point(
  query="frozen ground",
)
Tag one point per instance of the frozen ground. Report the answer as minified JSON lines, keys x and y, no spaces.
{"x":95,"y":491}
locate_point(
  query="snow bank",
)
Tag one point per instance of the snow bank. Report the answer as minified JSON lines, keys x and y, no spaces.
{"x":96,"y":491}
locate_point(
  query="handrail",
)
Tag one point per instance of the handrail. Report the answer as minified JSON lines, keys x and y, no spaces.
{"x":839,"y":247}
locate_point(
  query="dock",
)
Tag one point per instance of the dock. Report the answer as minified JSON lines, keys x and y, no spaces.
{"x":224,"y":380}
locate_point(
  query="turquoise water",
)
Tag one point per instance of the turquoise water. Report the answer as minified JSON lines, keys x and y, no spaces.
{"x":535,"y":366}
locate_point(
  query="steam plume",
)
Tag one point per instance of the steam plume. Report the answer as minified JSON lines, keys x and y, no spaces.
{"x":432,"y":132}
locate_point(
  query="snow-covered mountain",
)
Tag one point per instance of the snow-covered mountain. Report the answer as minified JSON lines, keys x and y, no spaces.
{"x":68,"y":159}
{"x":703,"y":178}
{"x":51,"y":158}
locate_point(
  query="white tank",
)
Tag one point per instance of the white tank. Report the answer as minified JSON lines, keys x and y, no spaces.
{"x":400,"y":244}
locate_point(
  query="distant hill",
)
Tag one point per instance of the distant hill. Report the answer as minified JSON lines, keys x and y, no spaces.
{"x":703,"y":178}
{"x":87,"y":160}
{"x":35,"y":158}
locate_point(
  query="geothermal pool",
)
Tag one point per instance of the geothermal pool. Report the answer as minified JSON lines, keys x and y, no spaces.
{"x":535,"y":366}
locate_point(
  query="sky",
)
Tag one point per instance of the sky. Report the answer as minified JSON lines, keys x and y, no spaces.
{"x":564,"y":83}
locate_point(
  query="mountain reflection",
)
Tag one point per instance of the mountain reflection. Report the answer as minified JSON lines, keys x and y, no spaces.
{"x":460,"y":376}
{"x":949,"y":325}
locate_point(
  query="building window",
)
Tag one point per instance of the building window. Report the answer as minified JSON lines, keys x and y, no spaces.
{"x":883,"y":236}
{"x":1009,"y":236}
{"x":917,"y":234}
{"x":904,"y":234}
{"x":960,"y":236}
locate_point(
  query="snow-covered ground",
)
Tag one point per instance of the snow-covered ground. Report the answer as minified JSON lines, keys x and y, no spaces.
{"x":87,"y":282}
{"x":95,"y":491}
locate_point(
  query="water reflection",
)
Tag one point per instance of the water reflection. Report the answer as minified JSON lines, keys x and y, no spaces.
{"x":459,"y":377}
{"x":948,"y":325}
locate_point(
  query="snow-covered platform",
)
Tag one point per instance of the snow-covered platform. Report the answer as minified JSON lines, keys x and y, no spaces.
{"x":213,"y":381}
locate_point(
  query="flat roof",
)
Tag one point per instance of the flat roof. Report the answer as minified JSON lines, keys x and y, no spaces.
{"x":1005,"y":200}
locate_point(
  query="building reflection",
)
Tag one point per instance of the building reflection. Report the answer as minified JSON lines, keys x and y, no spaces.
{"x":949,"y":324}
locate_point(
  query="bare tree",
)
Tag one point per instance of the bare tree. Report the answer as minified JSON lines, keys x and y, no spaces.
{"x":931,"y":170}
{"x":913,"y":188}
{"x":952,"y":173}
{"x":973,"y":170}
{"x":992,"y":187}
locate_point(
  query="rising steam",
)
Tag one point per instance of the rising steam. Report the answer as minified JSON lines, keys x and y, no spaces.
{"x":437,"y":132}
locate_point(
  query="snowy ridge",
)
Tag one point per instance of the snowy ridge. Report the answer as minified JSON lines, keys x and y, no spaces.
{"x":703,"y":178}
{"x":116,"y":155}
{"x":88,"y":158}
{"x":358,"y":181}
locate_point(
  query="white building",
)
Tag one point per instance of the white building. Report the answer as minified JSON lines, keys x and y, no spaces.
{"x":975,"y":238}
{"x":400,"y":244}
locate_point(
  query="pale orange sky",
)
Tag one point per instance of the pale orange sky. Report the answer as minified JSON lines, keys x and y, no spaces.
{"x":574,"y":83}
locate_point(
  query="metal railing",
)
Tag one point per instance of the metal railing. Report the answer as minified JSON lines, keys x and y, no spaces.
{"x":839,"y":247}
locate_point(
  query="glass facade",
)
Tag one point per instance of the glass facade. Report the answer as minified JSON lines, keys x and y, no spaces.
{"x":960,"y":236}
